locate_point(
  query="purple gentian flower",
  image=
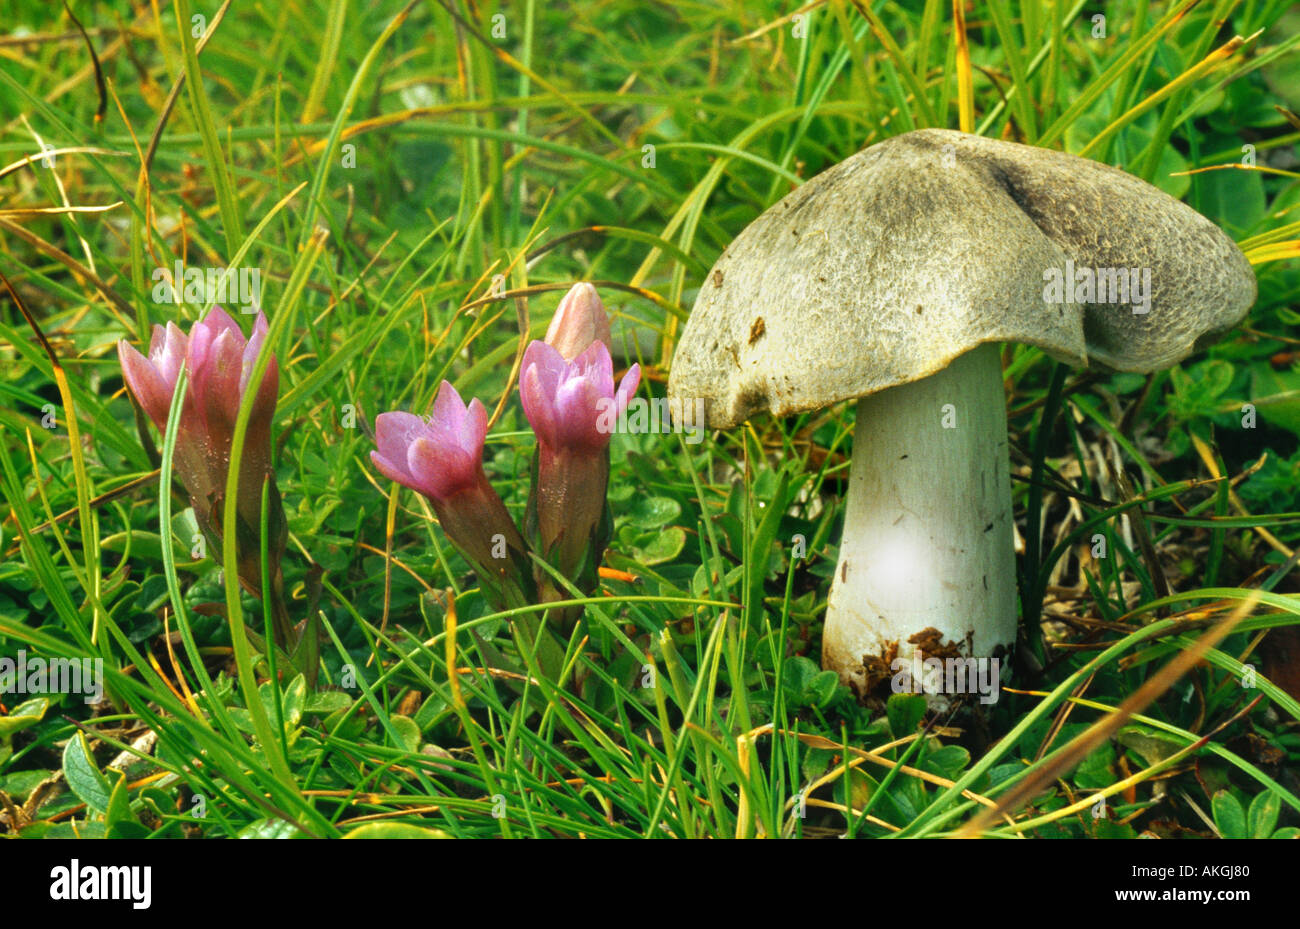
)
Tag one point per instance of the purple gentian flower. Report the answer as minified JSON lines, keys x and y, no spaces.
{"x":218,"y":361}
{"x":438,"y":456}
{"x":442,"y":458}
{"x":572,"y":406}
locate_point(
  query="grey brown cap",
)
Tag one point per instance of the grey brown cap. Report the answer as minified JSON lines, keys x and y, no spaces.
{"x":883,"y":269}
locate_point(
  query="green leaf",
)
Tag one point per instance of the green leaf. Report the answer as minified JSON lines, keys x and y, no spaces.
{"x":85,"y":779}
{"x":1283,"y":75}
{"x":1262,"y":817}
{"x":1233,"y":199}
{"x":118,"y":819}
{"x":948,"y":761}
{"x":1229,"y":817}
{"x":295,"y":696}
{"x":407,"y":731}
{"x":771,"y":509}
{"x":27,"y":713}
{"x":270,"y":829}
{"x":1001,"y":772}
{"x":1105,"y":829}
{"x":127,"y":829}
{"x":1095,"y":772}
{"x":242,"y":719}
{"x":822,"y":688}
{"x":905,"y":712}
{"x":20,"y":784}
{"x":663,"y":546}
{"x":325,"y":702}
{"x":78,"y":829}
{"x":1214,"y":375}
{"x":147,"y":546}
{"x":798,"y":672}
{"x":1151,"y":747}
{"x":395,"y":831}
{"x":814,"y":763}
{"x":654,"y":512}
{"x":292,"y":699}
{"x":1276,"y":395}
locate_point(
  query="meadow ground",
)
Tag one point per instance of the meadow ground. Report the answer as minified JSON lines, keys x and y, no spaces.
{"x":416,"y":187}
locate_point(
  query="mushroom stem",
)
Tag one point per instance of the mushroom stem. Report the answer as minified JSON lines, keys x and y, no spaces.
{"x":928,"y":530}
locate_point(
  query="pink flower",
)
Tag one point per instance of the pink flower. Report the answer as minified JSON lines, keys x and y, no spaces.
{"x":442,"y":458}
{"x":579,"y":320}
{"x":439,"y":456}
{"x":218,"y":361}
{"x":573,"y":404}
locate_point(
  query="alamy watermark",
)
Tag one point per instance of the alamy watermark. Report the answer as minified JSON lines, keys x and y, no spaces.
{"x":241,"y":287}
{"x":1099,"y":285}
{"x":75,"y":881}
{"x":947,"y":676}
{"x":660,"y":415}
{"x":33,"y":675}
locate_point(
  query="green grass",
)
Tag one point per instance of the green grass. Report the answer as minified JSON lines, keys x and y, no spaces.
{"x":418,"y":191}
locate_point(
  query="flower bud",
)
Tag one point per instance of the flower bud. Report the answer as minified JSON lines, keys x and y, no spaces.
{"x":579,"y":320}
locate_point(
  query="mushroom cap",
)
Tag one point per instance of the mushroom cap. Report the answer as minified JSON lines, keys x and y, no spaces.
{"x":883,"y":269}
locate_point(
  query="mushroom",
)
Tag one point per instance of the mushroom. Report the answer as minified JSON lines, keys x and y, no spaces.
{"x":891,"y":279}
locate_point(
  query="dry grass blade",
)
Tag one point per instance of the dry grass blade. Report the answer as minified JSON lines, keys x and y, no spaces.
{"x":1234,"y":498}
{"x":55,"y":152}
{"x":115,"y":302}
{"x":100,"y":91}
{"x":821,"y":742}
{"x":1276,"y":252}
{"x":1209,"y":63}
{"x":1137,"y":519}
{"x":90,"y":540}
{"x":965,"y":88}
{"x":58,"y":210}
{"x":1063,"y":715}
{"x":176,"y":89}
{"x":777,"y":23}
{"x":1107,"y":726}
{"x":100,"y":500}
{"x":511,"y":61}
{"x":1235,"y":166}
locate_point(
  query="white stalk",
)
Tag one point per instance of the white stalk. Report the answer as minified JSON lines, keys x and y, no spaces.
{"x":928,"y":529}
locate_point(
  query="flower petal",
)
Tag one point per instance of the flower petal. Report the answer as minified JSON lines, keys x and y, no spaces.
{"x":447,"y":418}
{"x":474,"y":430}
{"x":439,"y":470}
{"x":596,"y":365}
{"x":393,"y":470}
{"x":147,"y":387}
{"x":394,"y":433}
{"x":551,"y":366}
{"x":578,"y":412}
{"x":538,"y":405}
{"x":167,"y":351}
{"x":221,"y":383}
{"x":264,"y":405}
{"x":627,"y":387}
{"x":197,"y":351}
{"x":218,"y":321}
